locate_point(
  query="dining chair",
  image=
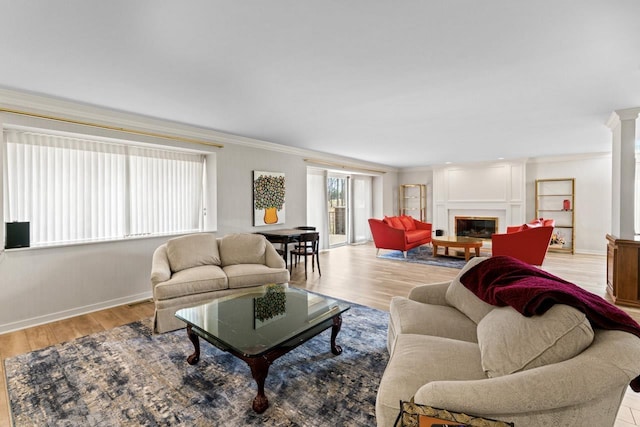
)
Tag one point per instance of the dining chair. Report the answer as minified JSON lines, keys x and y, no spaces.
{"x":305,"y":228}
{"x":309,"y":243}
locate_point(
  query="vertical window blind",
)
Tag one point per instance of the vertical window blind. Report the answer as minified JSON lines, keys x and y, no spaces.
{"x":77,"y":189}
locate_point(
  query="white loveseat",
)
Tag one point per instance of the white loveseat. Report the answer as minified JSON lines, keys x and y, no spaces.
{"x":193,"y":269}
{"x":449,"y":349}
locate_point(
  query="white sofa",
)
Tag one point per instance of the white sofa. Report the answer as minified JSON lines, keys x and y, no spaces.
{"x":450,"y":350}
{"x":193,"y":269}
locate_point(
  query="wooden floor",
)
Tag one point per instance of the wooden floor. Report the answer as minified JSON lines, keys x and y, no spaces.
{"x":352,"y":273}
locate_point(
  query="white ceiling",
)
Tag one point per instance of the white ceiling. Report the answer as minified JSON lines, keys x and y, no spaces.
{"x":401,"y":83}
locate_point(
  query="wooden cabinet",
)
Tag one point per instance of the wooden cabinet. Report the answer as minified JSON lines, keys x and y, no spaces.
{"x":555,"y":198}
{"x":413,"y":201}
{"x":623,"y":281}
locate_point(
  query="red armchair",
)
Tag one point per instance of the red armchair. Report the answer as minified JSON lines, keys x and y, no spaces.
{"x":528,"y":244}
{"x":399,"y":233}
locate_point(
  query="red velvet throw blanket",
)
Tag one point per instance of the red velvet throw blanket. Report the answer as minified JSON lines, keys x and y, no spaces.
{"x":503,"y":280}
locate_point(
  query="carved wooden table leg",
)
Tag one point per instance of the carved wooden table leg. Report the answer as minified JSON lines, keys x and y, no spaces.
{"x":337,"y":324}
{"x":195,"y":357}
{"x":259,"y":370}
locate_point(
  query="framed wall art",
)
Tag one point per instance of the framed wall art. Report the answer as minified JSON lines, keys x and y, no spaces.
{"x":268,"y":198}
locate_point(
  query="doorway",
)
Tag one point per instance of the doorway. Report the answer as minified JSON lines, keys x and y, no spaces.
{"x":338,"y":201}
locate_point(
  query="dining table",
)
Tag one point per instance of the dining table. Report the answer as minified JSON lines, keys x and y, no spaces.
{"x":284,"y":237}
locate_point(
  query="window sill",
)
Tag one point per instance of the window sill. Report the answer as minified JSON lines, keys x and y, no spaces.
{"x":95,"y":242}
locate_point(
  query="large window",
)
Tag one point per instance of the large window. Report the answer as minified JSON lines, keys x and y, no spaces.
{"x":76,"y":188}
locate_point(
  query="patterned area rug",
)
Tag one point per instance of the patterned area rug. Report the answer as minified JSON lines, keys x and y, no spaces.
{"x":424,"y":255}
{"x":127,"y":376}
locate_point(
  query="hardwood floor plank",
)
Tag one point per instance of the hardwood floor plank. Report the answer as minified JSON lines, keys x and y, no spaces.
{"x":40,"y":337}
{"x":14,"y":343}
{"x":108,"y":319}
{"x":66,"y":330}
{"x":5,"y":410}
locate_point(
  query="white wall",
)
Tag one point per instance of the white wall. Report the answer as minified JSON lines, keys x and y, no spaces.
{"x":235,"y":187}
{"x":592,"y":211}
{"x":42,"y":285}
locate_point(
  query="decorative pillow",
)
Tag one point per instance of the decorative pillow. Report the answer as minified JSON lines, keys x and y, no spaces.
{"x":243,"y":248}
{"x":532,"y":225}
{"x":394,"y":222}
{"x":192,"y":250}
{"x":463,"y":299}
{"x":407,"y":222}
{"x":510,"y":342}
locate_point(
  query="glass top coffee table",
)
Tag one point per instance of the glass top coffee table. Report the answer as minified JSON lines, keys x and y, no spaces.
{"x":261,"y":325}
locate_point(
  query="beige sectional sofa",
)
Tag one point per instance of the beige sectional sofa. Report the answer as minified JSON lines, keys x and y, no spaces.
{"x":193,"y":269}
{"x":449,"y":349}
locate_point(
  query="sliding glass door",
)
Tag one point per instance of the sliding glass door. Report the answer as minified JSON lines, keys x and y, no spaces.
{"x":339,"y":206}
{"x":337,"y":196}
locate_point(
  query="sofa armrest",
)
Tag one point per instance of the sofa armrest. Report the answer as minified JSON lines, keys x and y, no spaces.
{"x":160,"y":269}
{"x":272,"y":257}
{"x":422,"y":225}
{"x":539,"y":388}
{"x":433,"y":293}
{"x":385,"y":236}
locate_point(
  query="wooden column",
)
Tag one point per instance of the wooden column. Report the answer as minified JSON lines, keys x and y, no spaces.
{"x":623,"y":262}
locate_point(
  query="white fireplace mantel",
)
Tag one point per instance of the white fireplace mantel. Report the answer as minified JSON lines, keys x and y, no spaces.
{"x":487,"y":190}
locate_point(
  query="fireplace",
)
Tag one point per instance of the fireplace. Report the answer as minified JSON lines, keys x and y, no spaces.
{"x":479,"y":227}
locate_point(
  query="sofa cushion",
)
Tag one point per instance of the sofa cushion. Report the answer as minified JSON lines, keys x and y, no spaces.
{"x":191,"y":281}
{"x":407,"y":222}
{"x":510,"y":342}
{"x":416,"y":235}
{"x":244,"y":275}
{"x":393,"y":222}
{"x":192,"y":250}
{"x":463,"y":299}
{"x":534,"y":224}
{"x":242,"y":248}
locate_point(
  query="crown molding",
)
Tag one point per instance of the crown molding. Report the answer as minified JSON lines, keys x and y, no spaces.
{"x":569,"y":157}
{"x":624,"y":114}
{"x":76,"y":111}
{"x":416,"y":169}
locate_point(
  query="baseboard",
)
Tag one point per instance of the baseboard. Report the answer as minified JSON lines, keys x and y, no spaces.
{"x":588,"y":252}
{"x":48,"y":318}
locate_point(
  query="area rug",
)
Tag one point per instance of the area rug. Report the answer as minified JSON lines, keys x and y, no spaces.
{"x":424,"y":255}
{"x":127,"y":376}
